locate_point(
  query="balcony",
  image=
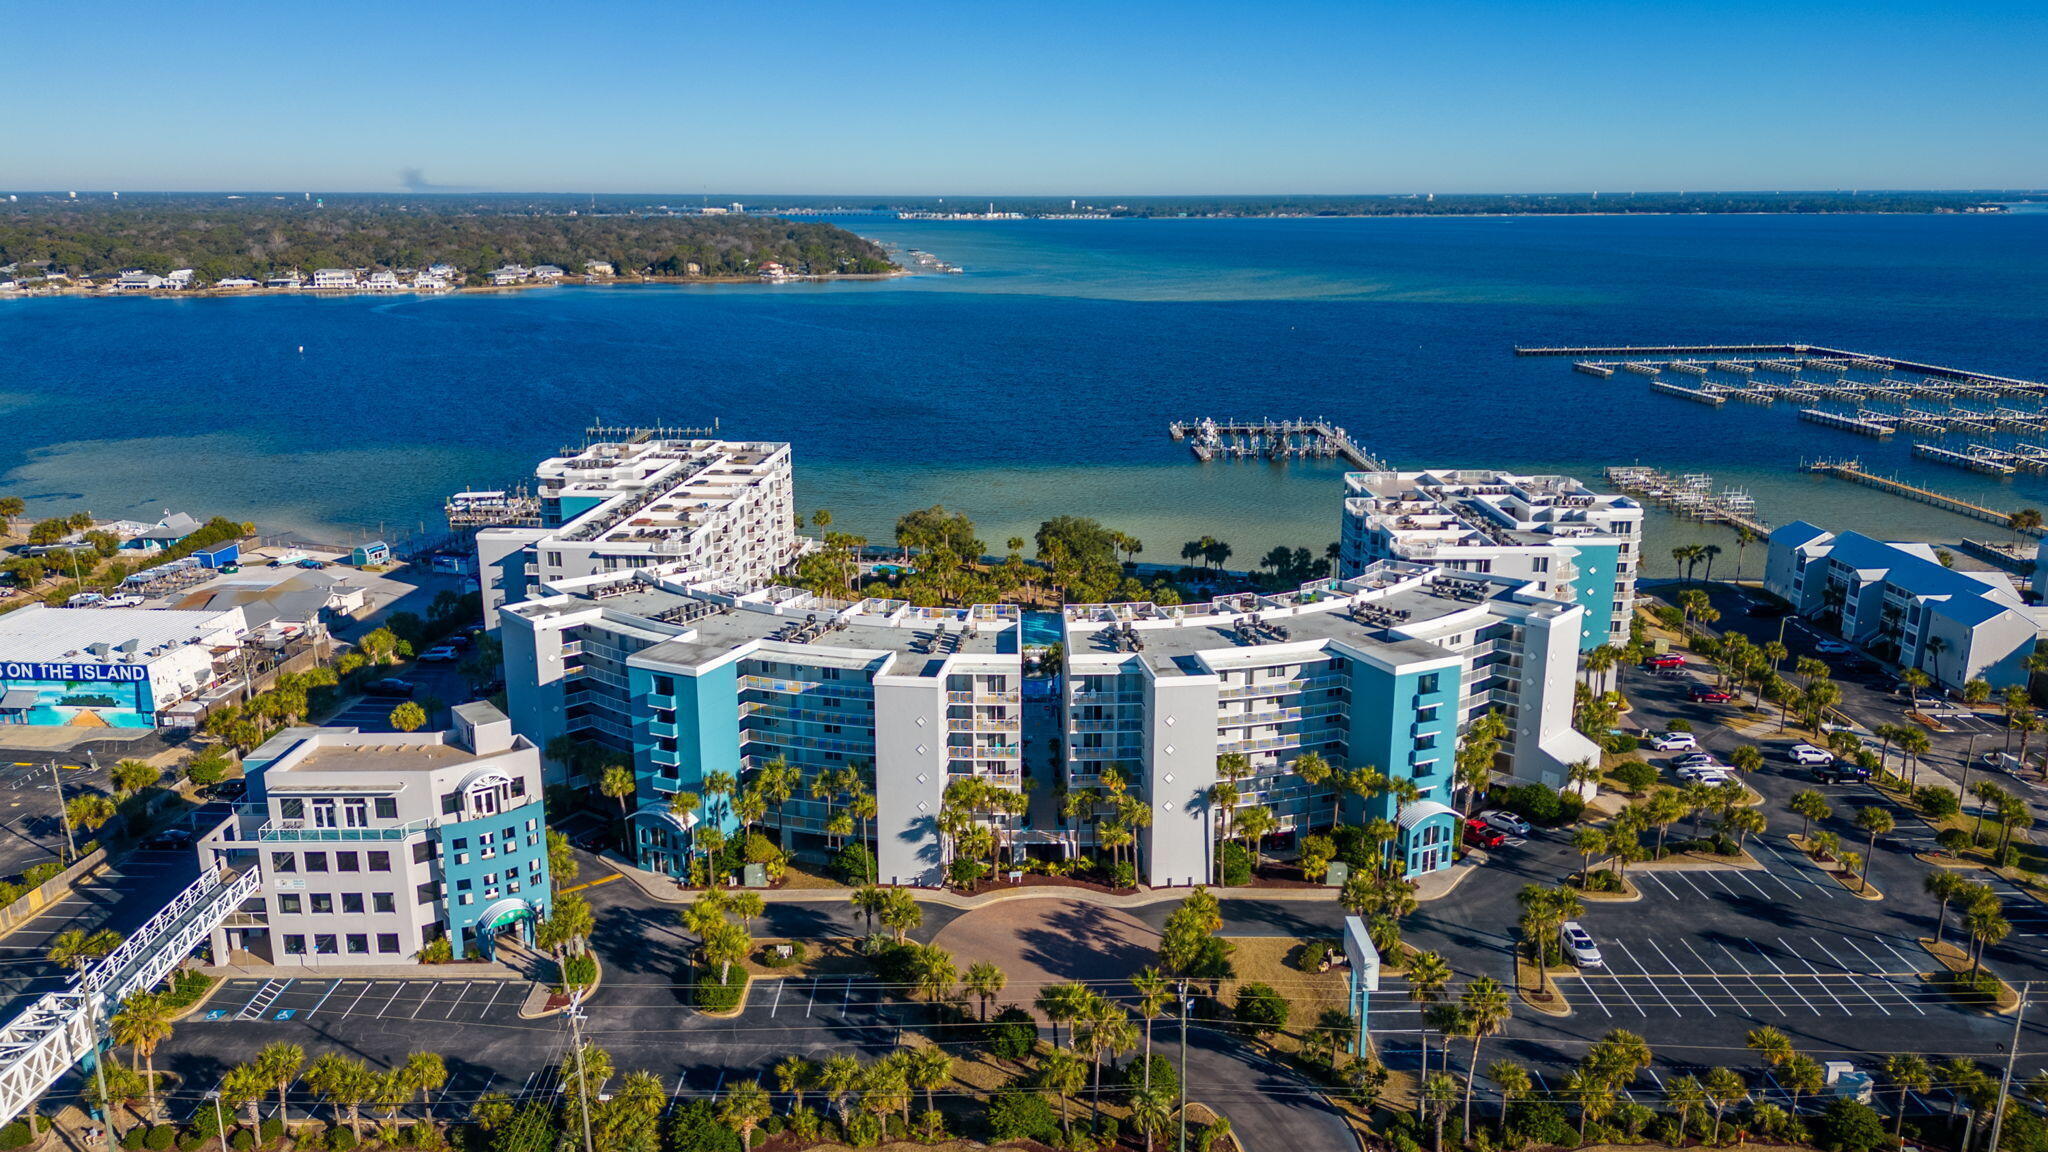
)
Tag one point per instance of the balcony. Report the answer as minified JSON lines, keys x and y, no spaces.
{"x":983,"y":724}
{"x":296,"y":832}
{"x":1280,"y":687}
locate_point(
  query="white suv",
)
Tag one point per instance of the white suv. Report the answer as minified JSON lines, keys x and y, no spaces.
{"x":1507,"y":822}
{"x":1809,"y":755}
{"x":1709,"y":774}
{"x":1578,"y":944}
{"x":1673,"y":741}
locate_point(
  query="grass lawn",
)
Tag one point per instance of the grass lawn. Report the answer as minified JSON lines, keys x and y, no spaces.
{"x":1274,"y":961}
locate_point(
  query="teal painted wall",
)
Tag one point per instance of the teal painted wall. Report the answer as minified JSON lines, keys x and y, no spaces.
{"x":1595,"y":591}
{"x":516,"y":854}
{"x":1385,"y":730}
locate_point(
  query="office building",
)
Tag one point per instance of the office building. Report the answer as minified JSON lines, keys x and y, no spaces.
{"x":113,"y":667}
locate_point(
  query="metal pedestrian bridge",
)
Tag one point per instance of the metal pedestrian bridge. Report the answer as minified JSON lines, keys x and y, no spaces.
{"x":62,"y":1028}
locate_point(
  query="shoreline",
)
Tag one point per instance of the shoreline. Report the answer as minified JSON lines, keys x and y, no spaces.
{"x":95,"y":293}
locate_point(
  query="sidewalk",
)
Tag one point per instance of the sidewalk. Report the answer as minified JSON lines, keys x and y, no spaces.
{"x":488,"y":970}
{"x":664,"y":889}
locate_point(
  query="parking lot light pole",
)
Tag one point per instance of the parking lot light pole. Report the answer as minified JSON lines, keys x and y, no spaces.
{"x":220,"y":1125}
{"x":2012,"y":1057}
{"x":575,"y":1015}
{"x":63,"y":813}
{"x":1185,"y":1004}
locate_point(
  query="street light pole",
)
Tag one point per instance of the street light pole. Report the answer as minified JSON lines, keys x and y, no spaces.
{"x":220,"y":1124}
{"x":2012,"y":1056}
{"x":63,"y":813}
{"x":575,"y":1015}
{"x":1183,"y":1110}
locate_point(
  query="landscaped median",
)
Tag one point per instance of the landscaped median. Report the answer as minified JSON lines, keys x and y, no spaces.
{"x":1826,"y":859}
{"x":1967,"y":980}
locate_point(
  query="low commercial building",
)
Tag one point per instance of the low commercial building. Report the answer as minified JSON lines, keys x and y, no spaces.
{"x":1902,"y":604}
{"x":373,"y":845}
{"x":721,"y":508}
{"x":697,"y":683}
{"x":1566,"y":540}
{"x":112,"y":667}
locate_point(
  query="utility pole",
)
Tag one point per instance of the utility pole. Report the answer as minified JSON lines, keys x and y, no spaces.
{"x":220,"y":1124}
{"x":63,"y":813}
{"x":2012,"y":1057}
{"x":99,"y":1066}
{"x":575,"y":1017}
{"x":1183,"y":1109}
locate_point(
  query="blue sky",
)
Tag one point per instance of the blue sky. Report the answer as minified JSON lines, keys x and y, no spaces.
{"x":1186,"y":97}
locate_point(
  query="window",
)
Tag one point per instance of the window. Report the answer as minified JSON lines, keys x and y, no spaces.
{"x":466,"y":899}
{"x":664,"y":685}
{"x":462,"y":885}
{"x":380,"y":861}
{"x":289,"y":903}
{"x":451,"y":804}
{"x":323,"y":902}
{"x":426,"y":893}
{"x":461,"y":842}
{"x":348,"y":862}
{"x":293,"y":809}
{"x":323,"y":944}
{"x":294,"y":944}
{"x":383,"y":902}
{"x":387,"y":808}
{"x":1425,"y":741}
{"x":352,"y":903}
{"x":423,"y":852}
{"x":387,"y":942}
{"x":1426,"y":715}
{"x":358,"y":943}
{"x":519,"y":785}
{"x":284,"y":862}
{"x":355,"y":812}
{"x":1426,"y":684}
{"x":323,"y":814}
{"x":316,"y":861}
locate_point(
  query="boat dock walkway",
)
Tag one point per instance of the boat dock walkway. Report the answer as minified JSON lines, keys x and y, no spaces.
{"x":1317,"y":439}
{"x":1690,"y":495}
{"x":1788,"y":357}
{"x":1852,"y":471}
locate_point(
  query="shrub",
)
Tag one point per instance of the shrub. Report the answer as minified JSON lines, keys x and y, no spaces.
{"x":1313,"y":955}
{"x":965,"y":873}
{"x":1164,"y":1077}
{"x":272,"y":1130}
{"x":1679,"y":725}
{"x":1541,"y":1122}
{"x":1847,"y":1126}
{"x":1936,"y":803}
{"x":37,"y":874}
{"x":855,"y":864}
{"x":1012,"y":1034}
{"x":16,"y":1135}
{"x":1237,"y":865}
{"x":714,"y":996}
{"x":204,"y":1120}
{"x":242,"y":1141}
{"x":187,"y":986}
{"x":1534,"y":802}
{"x":1023,"y":1116}
{"x":579,"y":970}
{"x":160,"y":1138}
{"x":1601,"y":881}
{"x":1261,"y":1009}
{"x":695,"y":1128}
{"x":423,"y":1134}
{"x":340,"y":1140}
{"x":1635,"y":776}
{"x":1123,"y":875}
{"x":132,"y":1139}
{"x":193,"y":1141}
{"x":1570,"y":806}
{"x":772,"y":957}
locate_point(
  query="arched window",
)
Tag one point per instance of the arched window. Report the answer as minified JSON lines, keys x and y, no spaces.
{"x":487,"y":795}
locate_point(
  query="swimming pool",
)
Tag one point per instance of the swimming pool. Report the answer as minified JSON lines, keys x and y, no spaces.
{"x":1040,"y":629}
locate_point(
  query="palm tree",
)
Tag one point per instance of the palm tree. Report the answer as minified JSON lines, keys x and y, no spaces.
{"x":1725,"y":1088}
{"x":837,"y":1078}
{"x":794,"y":1074}
{"x":1774,"y":1046}
{"x":1707,"y":553}
{"x":1486,"y":1007}
{"x":1060,"y":1002}
{"x":1151,"y":1113}
{"x":1986,"y":928}
{"x":1314,"y":770}
{"x":279,"y":1065}
{"x":143,"y":1022}
{"x":1908,"y":1073}
{"x":984,"y":981}
{"x":1877,"y":822}
{"x":1684,"y":1095}
{"x":423,"y":1072}
{"x":2024,"y":520}
{"x":1155,"y":995}
{"x":1588,"y":841}
{"x":1065,"y":1074}
{"x":77,"y":949}
{"x":346,"y":1082}
{"x":617,"y":783}
{"x":1513,"y":1081}
{"x":869,"y":901}
{"x":929,"y":1069}
{"x":1743,"y":539}
{"x":744,"y":1107}
{"x":244,"y":1087}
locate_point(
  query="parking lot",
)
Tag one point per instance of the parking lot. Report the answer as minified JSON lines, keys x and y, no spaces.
{"x":120,"y":897}
{"x":284,"y":1000}
{"x":1760,"y":978}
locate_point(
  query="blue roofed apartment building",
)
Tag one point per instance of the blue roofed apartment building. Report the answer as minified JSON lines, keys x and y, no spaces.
{"x":1566,"y":540}
{"x":1385,"y":669}
{"x":1900,"y":603}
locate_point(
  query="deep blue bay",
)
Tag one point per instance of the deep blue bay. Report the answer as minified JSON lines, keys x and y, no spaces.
{"x":1041,"y":382}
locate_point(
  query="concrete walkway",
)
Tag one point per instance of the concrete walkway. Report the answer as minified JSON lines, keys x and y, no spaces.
{"x":487,"y":970}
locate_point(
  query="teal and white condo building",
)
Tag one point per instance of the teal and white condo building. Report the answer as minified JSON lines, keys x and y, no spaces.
{"x":695,"y":678}
{"x":1565,"y":540}
{"x":717,"y":508}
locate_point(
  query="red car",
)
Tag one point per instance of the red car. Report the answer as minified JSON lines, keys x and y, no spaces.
{"x":1480,"y":834}
{"x":1667,"y":660}
{"x":1704,"y":695}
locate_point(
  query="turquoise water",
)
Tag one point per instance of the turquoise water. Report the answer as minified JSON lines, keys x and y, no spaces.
{"x":1040,"y":383}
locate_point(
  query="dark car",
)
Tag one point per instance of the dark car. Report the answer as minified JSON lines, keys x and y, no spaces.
{"x":231,"y":789}
{"x":1768,"y":611}
{"x":1841,"y":772}
{"x":398,"y":688}
{"x":170,"y":838}
{"x":1705,"y":695}
{"x":594,"y":842}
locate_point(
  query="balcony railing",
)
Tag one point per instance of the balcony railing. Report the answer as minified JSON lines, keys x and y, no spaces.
{"x":1280,"y":687}
{"x":982,"y":724}
{"x":295,"y":831}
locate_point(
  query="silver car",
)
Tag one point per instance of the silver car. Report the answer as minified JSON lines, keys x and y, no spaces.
{"x":1578,"y":944}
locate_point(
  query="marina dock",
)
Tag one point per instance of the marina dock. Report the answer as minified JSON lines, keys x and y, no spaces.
{"x":1691,"y":495}
{"x":1852,"y":471}
{"x":1318,"y":439}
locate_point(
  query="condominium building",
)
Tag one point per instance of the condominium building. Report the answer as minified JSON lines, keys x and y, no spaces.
{"x":694,"y":682}
{"x":1384,"y":669}
{"x":1899,"y":601}
{"x":372,"y":845}
{"x":721,"y":509}
{"x":1568,"y":541}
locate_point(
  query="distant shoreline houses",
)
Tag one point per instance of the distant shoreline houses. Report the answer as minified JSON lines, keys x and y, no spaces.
{"x":435,"y":278}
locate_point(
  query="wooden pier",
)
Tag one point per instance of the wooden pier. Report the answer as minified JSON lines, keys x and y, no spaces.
{"x":1852,"y":471}
{"x":1317,"y":439}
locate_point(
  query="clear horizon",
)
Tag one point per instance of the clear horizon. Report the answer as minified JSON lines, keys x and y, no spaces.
{"x":1372,"y":99}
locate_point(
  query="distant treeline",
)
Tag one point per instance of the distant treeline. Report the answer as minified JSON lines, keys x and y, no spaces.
{"x":257,"y":238}
{"x":1441,"y":204}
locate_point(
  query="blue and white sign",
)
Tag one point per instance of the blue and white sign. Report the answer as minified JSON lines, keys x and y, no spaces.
{"x":76,"y":673}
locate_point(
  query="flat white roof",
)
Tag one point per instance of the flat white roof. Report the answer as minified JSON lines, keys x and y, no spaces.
{"x":59,"y":635}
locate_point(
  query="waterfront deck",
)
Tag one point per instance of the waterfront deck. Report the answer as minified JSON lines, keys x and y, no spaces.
{"x":1852,"y":471}
{"x":1691,"y":495}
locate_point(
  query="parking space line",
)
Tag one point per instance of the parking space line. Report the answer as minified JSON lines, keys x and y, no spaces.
{"x":1877,"y":971}
{"x":777,"y":1006}
{"x":425,"y":998}
{"x":1597,"y":1002}
{"x":359,"y":997}
{"x":1715,"y":876}
{"x":1751,"y":977}
{"x":1652,"y":877}
{"x":323,"y":999}
{"x":393,"y":1000}
{"x":1799,"y":870}
{"x":1822,"y":981}
{"x":1688,"y":984}
{"x":457,"y":1002}
{"x":1789,"y":985}
{"x":849,"y":996}
{"x":1689,"y":883}
{"x":1651,"y":980}
{"x":1746,"y":879}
